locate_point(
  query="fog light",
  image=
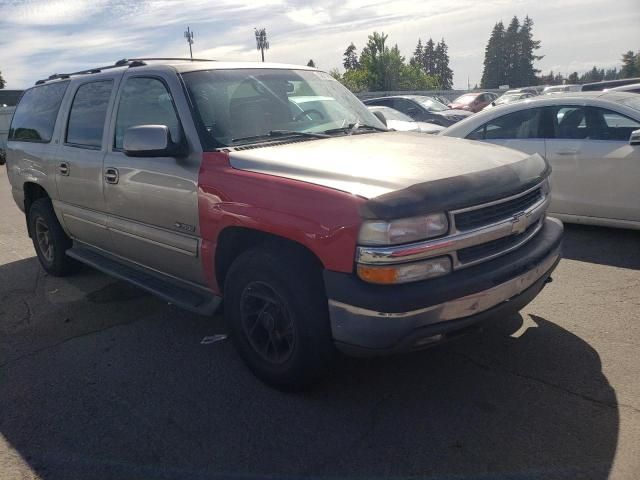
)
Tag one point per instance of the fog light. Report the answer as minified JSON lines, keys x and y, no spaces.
{"x":405,"y":272}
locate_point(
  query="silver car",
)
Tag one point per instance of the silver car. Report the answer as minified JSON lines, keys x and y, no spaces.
{"x":591,"y":140}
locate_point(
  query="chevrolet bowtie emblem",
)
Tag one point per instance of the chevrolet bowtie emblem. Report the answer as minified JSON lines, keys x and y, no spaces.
{"x":519,"y":223}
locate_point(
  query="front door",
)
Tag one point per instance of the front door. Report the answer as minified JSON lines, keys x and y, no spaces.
{"x":518,"y":130}
{"x":78,"y":164}
{"x":153,"y":202}
{"x":595,"y":169}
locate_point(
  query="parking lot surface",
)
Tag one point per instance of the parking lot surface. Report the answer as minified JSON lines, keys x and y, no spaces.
{"x":100,"y":380}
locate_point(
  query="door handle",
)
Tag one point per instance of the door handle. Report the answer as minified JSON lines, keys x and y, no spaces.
{"x":63,"y":168}
{"x":574,"y":151}
{"x":111,"y":175}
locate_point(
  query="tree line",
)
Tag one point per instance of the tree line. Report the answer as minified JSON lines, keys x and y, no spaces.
{"x":379,"y":67}
{"x":630,"y":69}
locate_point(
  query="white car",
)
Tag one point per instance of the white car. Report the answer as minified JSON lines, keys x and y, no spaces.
{"x":592,"y":142}
{"x":554,"y":89}
{"x":633,"y":88}
{"x":403,"y":123}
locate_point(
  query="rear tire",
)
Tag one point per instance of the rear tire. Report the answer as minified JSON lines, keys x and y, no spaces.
{"x":49,"y":240}
{"x":276,"y":310}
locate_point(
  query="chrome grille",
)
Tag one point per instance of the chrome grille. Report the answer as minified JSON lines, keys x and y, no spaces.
{"x":479,"y":217}
{"x":495,"y":247}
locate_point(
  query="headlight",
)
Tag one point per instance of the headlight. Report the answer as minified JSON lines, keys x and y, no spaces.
{"x":405,"y":272}
{"x":403,"y":230}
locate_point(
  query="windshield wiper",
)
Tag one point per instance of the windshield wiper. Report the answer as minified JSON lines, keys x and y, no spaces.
{"x":281,"y":133}
{"x":353,"y":127}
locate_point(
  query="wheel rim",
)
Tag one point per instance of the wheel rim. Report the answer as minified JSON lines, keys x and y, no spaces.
{"x":43,"y":237}
{"x":266,"y":323}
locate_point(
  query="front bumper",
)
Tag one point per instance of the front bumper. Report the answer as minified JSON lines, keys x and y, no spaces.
{"x":378,"y":319}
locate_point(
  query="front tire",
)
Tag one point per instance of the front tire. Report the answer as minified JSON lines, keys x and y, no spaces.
{"x":277,"y":313}
{"x":49,"y":240}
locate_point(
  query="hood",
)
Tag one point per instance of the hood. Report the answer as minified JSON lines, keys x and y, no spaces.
{"x":426,"y":127}
{"x":399,"y":168}
{"x":456,"y":112}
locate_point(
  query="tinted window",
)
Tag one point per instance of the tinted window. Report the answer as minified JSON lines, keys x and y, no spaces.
{"x":571,"y":122}
{"x":608,"y":125}
{"x":382,"y":103}
{"x":407,"y":107}
{"x":145,"y":101}
{"x":88,"y":112}
{"x":36,"y":113}
{"x":516,"y":125}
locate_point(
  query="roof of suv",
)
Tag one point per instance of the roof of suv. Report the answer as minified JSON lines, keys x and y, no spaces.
{"x":180,"y":65}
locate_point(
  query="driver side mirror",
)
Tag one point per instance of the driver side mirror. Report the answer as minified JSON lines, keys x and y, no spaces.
{"x":151,"y":141}
{"x":380,"y":116}
{"x":634,"y":139}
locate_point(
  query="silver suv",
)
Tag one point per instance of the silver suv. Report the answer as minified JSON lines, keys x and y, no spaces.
{"x":273,"y":188}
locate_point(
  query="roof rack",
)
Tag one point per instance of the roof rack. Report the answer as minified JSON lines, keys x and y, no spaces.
{"x":125,"y":62}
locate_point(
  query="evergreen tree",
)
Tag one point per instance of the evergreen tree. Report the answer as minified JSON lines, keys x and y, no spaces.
{"x":573,"y":78}
{"x":311,"y":63}
{"x":528,"y":46}
{"x":418,"y":56}
{"x":2,"y":82}
{"x":513,"y":48}
{"x":611,"y":74}
{"x":630,"y":65}
{"x":495,"y":64}
{"x":442,"y":71}
{"x":350,"y":60}
{"x":428,"y":58}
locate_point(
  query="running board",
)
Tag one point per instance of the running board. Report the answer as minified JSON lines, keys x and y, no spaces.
{"x":174,"y":291}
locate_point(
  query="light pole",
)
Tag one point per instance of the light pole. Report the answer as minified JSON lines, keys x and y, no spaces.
{"x":262,"y":43}
{"x":189,"y":36}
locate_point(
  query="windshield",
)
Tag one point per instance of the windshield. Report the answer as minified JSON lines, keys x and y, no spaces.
{"x":391,"y":114}
{"x":241,"y":106}
{"x":465,"y":99}
{"x":432,"y":104}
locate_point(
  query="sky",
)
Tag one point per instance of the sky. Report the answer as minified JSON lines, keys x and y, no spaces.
{"x":38,"y":37}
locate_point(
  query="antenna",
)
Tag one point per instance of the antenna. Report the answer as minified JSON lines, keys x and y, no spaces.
{"x":262,"y":43}
{"x":188,"y":34}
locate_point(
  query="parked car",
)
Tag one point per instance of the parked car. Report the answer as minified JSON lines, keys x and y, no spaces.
{"x":421,"y":108}
{"x":204,"y":182}
{"x":561,"y":89}
{"x":473,"y":102}
{"x":600,"y":86}
{"x":402,"y":123}
{"x":632,"y":88}
{"x":508,"y":98}
{"x":591,"y":140}
{"x":531,"y":90}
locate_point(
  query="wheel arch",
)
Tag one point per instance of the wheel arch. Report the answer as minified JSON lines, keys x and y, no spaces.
{"x":32,"y":192}
{"x":235,"y":240}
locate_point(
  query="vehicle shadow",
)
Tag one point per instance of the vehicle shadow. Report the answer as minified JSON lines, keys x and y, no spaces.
{"x":99,"y":380}
{"x":607,"y":246}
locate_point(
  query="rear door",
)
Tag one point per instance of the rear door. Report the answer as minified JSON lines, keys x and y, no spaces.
{"x":78,"y":162}
{"x":520,"y":130}
{"x":595,"y":170}
{"x":153,"y":201}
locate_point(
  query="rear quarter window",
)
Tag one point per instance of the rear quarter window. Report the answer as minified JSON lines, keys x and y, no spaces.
{"x":35,"y":115}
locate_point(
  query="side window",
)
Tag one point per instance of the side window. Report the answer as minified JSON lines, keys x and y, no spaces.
{"x":608,"y":125}
{"x":35,"y":116}
{"x":381,"y":103}
{"x":145,"y":101}
{"x":571,"y":122}
{"x":88,"y":113}
{"x":517,"y":125}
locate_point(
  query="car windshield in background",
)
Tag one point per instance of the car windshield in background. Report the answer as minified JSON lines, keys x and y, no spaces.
{"x":392,"y":114}
{"x":432,"y":105}
{"x":465,"y":99}
{"x":248,"y":105}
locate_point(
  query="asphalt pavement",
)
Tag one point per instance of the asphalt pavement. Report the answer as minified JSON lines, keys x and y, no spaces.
{"x":100,"y":380}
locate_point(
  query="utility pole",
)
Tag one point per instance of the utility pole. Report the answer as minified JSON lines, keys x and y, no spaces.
{"x":189,"y":36}
{"x":262,"y":43}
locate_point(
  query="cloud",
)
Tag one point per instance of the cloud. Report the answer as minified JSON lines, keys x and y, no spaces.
{"x":42,"y":37}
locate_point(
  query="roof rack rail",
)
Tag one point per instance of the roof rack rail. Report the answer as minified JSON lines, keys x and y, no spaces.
{"x":125,"y":62}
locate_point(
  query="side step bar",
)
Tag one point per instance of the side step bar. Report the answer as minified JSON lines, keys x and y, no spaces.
{"x":179,"y":293}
